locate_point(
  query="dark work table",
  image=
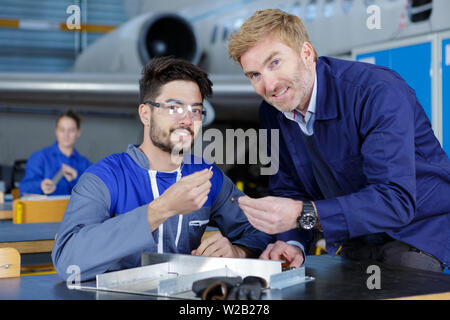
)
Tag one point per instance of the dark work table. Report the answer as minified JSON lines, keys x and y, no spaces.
{"x":29,"y":237}
{"x":24,"y":232}
{"x":335,"y":278}
{"x":34,"y":241}
{"x":339,"y":278}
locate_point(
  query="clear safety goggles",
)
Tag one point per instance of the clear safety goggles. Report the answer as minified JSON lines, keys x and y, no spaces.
{"x":178,"y":109}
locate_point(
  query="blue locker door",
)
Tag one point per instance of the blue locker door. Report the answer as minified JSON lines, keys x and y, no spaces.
{"x":413,"y":63}
{"x":446,"y":95}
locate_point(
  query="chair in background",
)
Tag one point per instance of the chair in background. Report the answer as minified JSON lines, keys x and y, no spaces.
{"x":39,"y":210}
{"x":18,"y":171}
{"x":17,"y":174}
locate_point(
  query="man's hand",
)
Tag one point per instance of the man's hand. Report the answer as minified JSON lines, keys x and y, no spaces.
{"x":271,"y":214}
{"x":47,"y":186}
{"x":69,"y":172}
{"x":281,"y":251}
{"x":219,"y":246}
{"x":187,"y":195}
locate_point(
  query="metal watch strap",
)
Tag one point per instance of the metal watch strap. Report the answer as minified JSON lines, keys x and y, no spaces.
{"x":308,"y":207}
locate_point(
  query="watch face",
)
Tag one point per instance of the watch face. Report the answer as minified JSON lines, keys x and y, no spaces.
{"x":308,"y":221}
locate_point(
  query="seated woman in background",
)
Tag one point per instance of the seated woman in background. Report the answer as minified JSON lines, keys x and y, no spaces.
{"x":55,"y":169}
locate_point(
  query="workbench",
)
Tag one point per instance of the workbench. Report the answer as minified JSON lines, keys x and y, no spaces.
{"x":29,"y":237}
{"x":34,"y":241}
{"x":335,"y":278}
{"x":6,"y":211}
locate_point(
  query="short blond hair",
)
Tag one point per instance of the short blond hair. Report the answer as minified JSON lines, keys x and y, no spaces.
{"x":287,"y":27}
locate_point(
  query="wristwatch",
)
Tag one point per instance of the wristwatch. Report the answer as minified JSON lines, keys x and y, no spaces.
{"x":307,"y":219}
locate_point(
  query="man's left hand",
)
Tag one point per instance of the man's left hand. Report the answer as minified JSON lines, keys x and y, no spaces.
{"x":219,"y":246}
{"x":271,"y":214}
{"x":282,"y":251}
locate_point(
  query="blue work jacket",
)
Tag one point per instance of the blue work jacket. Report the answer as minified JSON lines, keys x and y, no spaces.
{"x":376,"y":139}
{"x":46,"y":163}
{"x":105,"y":226}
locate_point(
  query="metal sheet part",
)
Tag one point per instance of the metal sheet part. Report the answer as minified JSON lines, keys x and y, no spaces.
{"x":154,"y":280}
{"x":188,"y":264}
{"x":172,"y":275}
{"x":288,"y":278}
{"x":136,"y":279}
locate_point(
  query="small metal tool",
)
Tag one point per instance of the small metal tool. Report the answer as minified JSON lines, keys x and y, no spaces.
{"x":57,"y":177}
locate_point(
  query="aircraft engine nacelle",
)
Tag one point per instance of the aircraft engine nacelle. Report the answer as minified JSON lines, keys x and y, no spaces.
{"x":128,"y":48}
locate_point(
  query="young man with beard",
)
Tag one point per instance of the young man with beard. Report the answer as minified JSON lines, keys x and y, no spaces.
{"x":358,"y":157}
{"x":155,"y":197}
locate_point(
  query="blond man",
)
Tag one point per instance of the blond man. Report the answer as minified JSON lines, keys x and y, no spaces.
{"x":358,"y":157}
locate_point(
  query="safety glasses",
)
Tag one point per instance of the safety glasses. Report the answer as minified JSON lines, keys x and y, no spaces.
{"x":178,"y":110}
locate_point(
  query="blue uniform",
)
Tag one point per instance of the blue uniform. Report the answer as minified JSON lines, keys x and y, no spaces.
{"x":378,"y":143}
{"x":105,"y":226}
{"x":46,"y":163}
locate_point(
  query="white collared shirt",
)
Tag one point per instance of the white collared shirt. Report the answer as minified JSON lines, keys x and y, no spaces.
{"x":306,"y":123}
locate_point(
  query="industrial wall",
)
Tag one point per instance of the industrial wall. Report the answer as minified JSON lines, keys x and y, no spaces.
{"x":100,"y":137}
{"x":38,"y":44}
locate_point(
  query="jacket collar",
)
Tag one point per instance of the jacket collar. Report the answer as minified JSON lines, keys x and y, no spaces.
{"x":326,"y":108}
{"x":57,"y":151}
{"x":138,"y":156}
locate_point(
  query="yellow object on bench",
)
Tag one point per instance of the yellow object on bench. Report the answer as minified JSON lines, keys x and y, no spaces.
{"x":32,"y":211}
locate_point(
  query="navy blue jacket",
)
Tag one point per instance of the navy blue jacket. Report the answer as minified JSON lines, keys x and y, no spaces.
{"x":105,"y":226}
{"x":378,"y":143}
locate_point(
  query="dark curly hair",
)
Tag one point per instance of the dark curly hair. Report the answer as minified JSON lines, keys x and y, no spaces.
{"x":160,"y":71}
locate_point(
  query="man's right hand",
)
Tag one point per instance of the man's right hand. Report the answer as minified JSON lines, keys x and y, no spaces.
{"x":48,"y":186}
{"x":187,"y":195}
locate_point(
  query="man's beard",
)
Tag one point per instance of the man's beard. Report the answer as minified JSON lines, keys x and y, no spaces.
{"x":301,"y":84}
{"x":162,"y":141}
